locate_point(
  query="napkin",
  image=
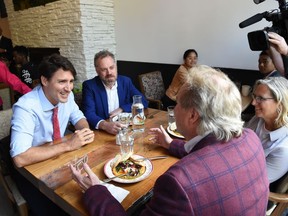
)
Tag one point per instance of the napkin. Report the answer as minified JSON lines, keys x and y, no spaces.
{"x":117,"y":192}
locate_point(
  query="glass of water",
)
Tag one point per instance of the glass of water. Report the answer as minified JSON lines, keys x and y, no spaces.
{"x":125,"y":118}
{"x":171,"y":118}
{"x":126,"y":138}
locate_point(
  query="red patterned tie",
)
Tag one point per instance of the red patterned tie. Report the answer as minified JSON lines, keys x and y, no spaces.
{"x":56,"y":128}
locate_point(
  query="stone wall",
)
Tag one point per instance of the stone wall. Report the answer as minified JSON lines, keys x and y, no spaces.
{"x":80,"y":28}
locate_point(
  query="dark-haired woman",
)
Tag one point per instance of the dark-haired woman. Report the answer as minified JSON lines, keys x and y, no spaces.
{"x":190,"y":59}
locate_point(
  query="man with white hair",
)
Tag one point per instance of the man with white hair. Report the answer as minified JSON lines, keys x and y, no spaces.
{"x":221,"y":170}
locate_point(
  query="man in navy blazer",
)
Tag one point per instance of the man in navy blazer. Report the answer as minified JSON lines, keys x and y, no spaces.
{"x":222,"y":168}
{"x":107,"y":94}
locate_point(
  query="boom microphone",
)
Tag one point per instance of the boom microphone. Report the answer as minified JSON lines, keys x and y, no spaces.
{"x":256,"y":18}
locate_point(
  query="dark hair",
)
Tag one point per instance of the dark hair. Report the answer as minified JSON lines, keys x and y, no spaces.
{"x":21,"y":50}
{"x":264,"y":52}
{"x":50,"y":64}
{"x":103,"y":54}
{"x":187,"y":52}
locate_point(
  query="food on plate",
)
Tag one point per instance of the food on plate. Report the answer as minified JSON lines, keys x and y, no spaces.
{"x":173,"y":128}
{"x":127,"y":164}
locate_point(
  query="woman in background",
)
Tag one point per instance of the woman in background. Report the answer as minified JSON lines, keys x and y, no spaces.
{"x":190,"y":58}
{"x":270,"y":123}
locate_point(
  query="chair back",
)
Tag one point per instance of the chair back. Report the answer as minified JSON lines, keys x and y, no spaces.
{"x":78,"y":99}
{"x":5,"y":122}
{"x":152,"y":85}
{"x":7,"y":95}
{"x":5,"y":163}
{"x":282,"y":184}
{"x":279,"y":196}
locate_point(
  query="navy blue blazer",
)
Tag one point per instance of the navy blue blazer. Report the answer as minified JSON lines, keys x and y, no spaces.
{"x":94,"y":98}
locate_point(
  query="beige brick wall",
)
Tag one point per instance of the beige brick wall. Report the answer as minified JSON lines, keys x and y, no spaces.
{"x":80,"y":28}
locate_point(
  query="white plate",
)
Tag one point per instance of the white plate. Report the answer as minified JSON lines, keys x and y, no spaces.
{"x":174,"y":134}
{"x":115,"y":118}
{"x":149,"y":168}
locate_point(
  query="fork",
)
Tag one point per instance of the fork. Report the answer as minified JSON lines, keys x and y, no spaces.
{"x":151,"y":158}
{"x":110,"y":179}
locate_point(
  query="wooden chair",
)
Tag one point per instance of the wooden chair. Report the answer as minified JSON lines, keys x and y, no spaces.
{"x":280,"y":197}
{"x":7,"y":94}
{"x":152,"y":86}
{"x":78,"y":99}
{"x":5,"y":178}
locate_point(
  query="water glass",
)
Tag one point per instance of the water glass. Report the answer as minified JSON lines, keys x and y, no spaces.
{"x":126,"y":138}
{"x":171,"y":118}
{"x":124,"y":118}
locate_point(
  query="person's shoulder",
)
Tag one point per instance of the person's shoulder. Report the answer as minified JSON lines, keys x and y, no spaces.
{"x":122,"y":78}
{"x":274,"y":73}
{"x":29,"y":66}
{"x":182,"y":68}
{"x":89,"y":81}
{"x":254,"y":121}
{"x":248,"y":131}
{"x":29,"y":101}
{"x":249,"y":136}
{"x":278,"y":74}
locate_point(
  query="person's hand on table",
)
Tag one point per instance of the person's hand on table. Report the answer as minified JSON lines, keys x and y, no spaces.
{"x":115,"y":112}
{"x":278,"y":42}
{"x":111,"y":127}
{"x":87,"y":180}
{"x":81,"y":138}
{"x":160,"y":137}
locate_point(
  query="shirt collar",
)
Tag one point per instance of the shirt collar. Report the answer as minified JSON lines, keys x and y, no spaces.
{"x":46,"y":104}
{"x":279,"y":133}
{"x":193,"y":142}
{"x":113,"y":87}
{"x":270,"y":74}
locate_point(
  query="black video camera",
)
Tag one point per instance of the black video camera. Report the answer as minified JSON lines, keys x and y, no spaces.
{"x":258,"y":40}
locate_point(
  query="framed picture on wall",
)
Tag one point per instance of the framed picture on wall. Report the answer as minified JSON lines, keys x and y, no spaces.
{"x":25,"y":4}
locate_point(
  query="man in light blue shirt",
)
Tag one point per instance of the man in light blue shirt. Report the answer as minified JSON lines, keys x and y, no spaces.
{"x":32,"y":128}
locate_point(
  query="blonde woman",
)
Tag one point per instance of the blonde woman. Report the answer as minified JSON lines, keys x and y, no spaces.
{"x":270,"y":123}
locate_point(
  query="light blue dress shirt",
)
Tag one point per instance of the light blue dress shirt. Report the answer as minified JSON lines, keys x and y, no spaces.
{"x":32,"y":120}
{"x":275,"y":145}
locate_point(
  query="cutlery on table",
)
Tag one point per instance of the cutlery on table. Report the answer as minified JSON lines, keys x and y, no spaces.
{"x":151,"y":158}
{"x":110,"y":179}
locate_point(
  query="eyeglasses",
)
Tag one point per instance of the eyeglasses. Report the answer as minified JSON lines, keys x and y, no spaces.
{"x":260,"y":99}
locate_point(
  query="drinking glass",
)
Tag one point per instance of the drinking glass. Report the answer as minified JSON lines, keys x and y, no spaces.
{"x":124,"y":118}
{"x":126,"y":138}
{"x":171,"y":118}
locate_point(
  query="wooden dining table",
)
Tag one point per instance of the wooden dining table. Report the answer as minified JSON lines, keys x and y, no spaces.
{"x":54,"y":179}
